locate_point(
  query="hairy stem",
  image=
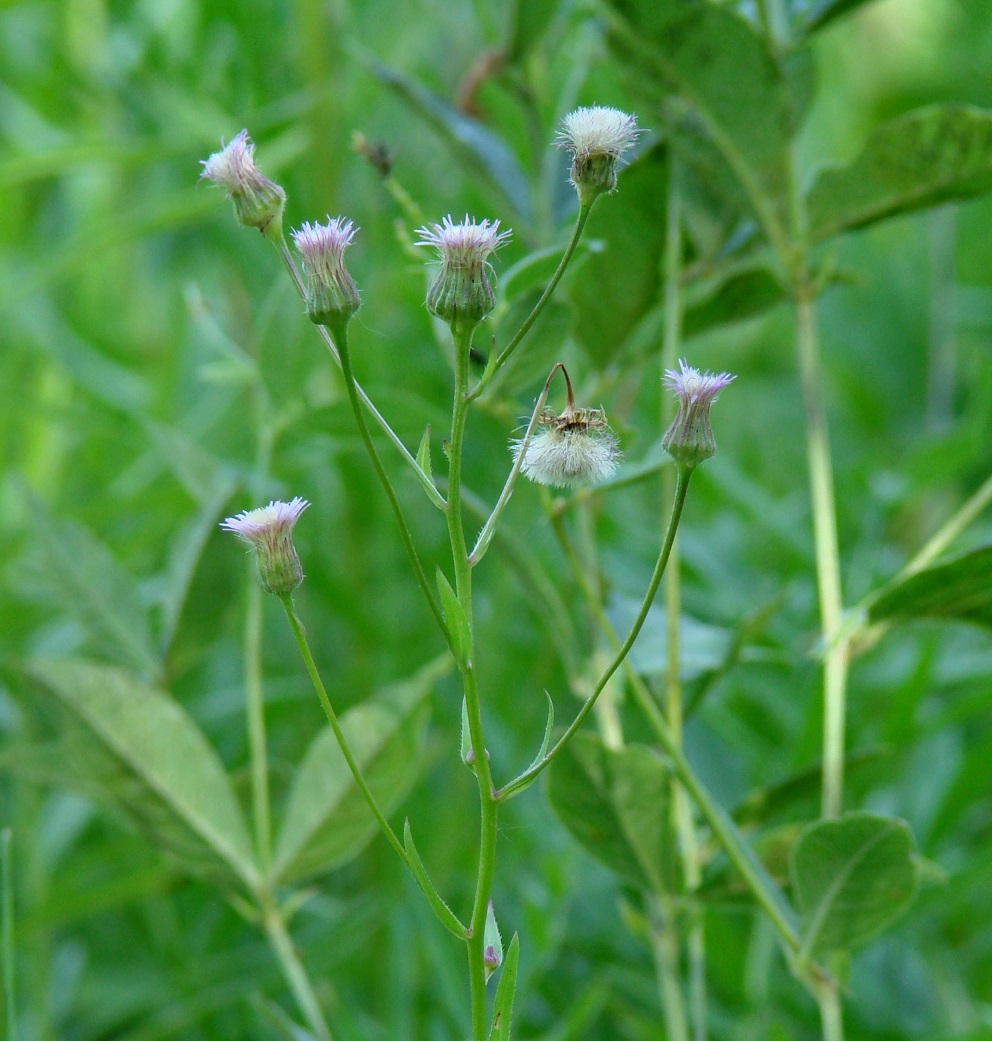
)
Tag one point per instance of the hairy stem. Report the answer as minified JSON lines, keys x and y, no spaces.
{"x":255,"y":706}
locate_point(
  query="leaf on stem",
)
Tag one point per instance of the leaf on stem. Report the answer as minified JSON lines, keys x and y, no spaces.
{"x":443,"y":913}
{"x":615,"y":804}
{"x":424,"y":455}
{"x":937,"y":154}
{"x":455,"y":620}
{"x":851,"y":877}
{"x":327,"y":820}
{"x":143,"y":751}
{"x":505,"y":991}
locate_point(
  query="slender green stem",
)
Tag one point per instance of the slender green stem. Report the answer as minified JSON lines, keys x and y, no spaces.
{"x":318,"y":685}
{"x":341,"y":339}
{"x":489,"y":528}
{"x":665,"y":946}
{"x":480,"y":762}
{"x":428,"y":485}
{"x":831,"y":1014}
{"x":523,"y":780}
{"x":294,"y":970}
{"x":255,"y":704}
{"x":827,"y":554}
{"x":683,"y":824}
{"x":504,"y":356}
{"x":7,"y":933}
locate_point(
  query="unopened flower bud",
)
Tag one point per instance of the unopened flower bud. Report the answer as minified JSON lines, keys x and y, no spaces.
{"x":461,"y":293}
{"x":574,"y":448}
{"x":689,"y":440}
{"x":269,"y":532}
{"x":598,"y":140}
{"x":258,"y":202}
{"x":332,"y":295}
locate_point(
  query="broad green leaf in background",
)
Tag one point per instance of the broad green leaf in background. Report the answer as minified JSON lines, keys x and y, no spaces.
{"x":327,"y":820}
{"x":528,"y":22}
{"x":936,"y":154}
{"x":90,"y":585}
{"x":150,"y":758}
{"x":615,"y":804}
{"x":478,"y":148}
{"x":724,"y":73}
{"x":851,"y":877}
{"x":957,"y":590}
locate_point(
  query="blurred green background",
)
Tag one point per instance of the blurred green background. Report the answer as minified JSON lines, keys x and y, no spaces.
{"x":157,"y":375}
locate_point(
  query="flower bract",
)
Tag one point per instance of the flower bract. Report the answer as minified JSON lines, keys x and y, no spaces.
{"x":269,"y":532}
{"x":689,"y":440}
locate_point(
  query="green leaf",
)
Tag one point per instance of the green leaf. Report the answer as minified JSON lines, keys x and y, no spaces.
{"x":91,"y":586}
{"x":505,"y":990}
{"x":492,"y":940}
{"x":424,"y":455}
{"x":615,"y":804}
{"x":933,"y":155}
{"x":851,"y":877}
{"x":738,"y":297}
{"x":724,"y":74}
{"x":443,"y":913}
{"x":454,"y":617}
{"x":327,"y":820}
{"x":957,"y":590}
{"x":141,"y":748}
{"x":479,"y":149}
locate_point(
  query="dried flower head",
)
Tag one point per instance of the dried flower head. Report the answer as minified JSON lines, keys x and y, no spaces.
{"x":598,"y":140}
{"x":576,"y":447}
{"x":258,"y":202}
{"x":269,"y":532}
{"x":689,"y":440}
{"x":331,"y":291}
{"x":461,"y":292}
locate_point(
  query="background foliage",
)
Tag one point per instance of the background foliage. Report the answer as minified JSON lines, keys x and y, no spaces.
{"x":136,"y":317}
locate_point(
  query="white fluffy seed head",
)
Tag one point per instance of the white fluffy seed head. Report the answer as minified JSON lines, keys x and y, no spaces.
{"x":598,"y":131}
{"x":563,"y":453}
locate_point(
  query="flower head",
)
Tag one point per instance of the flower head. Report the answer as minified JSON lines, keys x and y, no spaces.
{"x":269,"y":532}
{"x":461,"y":292}
{"x":576,"y":447}
{"x":258,"y":202}
{"x":598,"y":140}
{"x":331,"y":291}
{"x":689,"y":440}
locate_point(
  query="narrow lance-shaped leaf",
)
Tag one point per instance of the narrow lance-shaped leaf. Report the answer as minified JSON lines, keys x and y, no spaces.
{"x":327,"y":819}
{"x":505,"y":990}
{"x":851,"y":877}
{"x":139,"y":747}
{"x":933,"y":155}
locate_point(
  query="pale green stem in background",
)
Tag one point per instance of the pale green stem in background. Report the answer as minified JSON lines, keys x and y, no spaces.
{"x":318,"y":685}
{"x":463,"y":590}
{"x":340,"y":338}
{"x":665,"y":947}
{"x":426,"y":483}
{"x":489,"y":528}
{"x":294,"y":971}
{"x":794,"y":256}
{"x":683,"y":824}
{"x":503,"y":357}
{"x":254,"y":695}
{"x":523,"y":780}
{"x":7,"y":933}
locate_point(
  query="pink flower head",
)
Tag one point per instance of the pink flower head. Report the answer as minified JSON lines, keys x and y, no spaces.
{"x":689,"y":440}
{"x":461,"y":292}
{"x":258,"y":202}
{"x":331,"y":292}
{"x":269,"y":532}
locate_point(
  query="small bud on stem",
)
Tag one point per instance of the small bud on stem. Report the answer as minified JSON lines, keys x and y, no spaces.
{"x":269,"y":532}
{"x":598,"y":140}
{"x":332,"y":295}
{"x":689,"y":440}
{"x":258,"y":202}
